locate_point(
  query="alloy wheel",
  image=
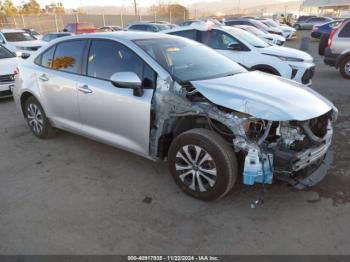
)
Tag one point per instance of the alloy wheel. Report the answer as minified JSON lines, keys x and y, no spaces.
{"x":196,"y":168}
{"x":347,"y":68}
{"x":35,"y":118}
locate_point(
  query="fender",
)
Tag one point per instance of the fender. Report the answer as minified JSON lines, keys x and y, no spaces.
{"x":265,"y":67}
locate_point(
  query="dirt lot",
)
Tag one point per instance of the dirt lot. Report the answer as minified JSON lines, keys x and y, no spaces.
{"x":75,"y":196}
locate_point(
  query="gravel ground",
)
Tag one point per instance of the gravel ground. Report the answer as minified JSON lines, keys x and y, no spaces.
{"x":70,"y":195}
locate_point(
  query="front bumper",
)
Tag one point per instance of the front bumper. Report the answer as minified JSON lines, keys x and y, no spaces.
{"x":330,"y":58}
{"x":6,"y":89}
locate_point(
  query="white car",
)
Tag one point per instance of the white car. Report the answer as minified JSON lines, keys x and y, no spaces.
{"x":19,"y":41}
{"x":252,"y":53}
{"x":268,"y":38}
{"x":8,"y":65}
{"x":287,"y":31}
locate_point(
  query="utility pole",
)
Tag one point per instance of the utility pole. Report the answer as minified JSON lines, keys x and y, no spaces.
{"x":135,"y":7}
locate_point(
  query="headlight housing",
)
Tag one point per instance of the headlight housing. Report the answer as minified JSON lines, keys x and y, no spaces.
{"x":287,"y":58}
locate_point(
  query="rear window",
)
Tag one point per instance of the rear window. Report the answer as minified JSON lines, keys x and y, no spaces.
{"x":68,"y":56}
{"x":18,"y":37}
{"x":345,"y":32}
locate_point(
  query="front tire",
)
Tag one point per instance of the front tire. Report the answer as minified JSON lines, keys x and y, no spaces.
{"x":345,"y":67}
{"x":203,"y":164}
{"x":36,"y":118}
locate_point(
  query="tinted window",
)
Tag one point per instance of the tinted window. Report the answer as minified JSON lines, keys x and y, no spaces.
{"x":18,"y":37}
{"x":345,"y":32}
{"x":68,"y":56}
{"x":108,"y":57}
{"x":138,"y":27}
{"x":190,"y":34}
{"x":234,"y":23}
{"x":217,"y":39}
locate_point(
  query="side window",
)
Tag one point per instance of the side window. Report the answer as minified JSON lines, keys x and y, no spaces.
{"x":218,"y":39}
{"x":45,"y":59}
{"x":2,"y":40}
{"x":138,"y":27}
{"x":108,"y":57}
{"x":345,"y":32}
{"x":68,"y":56}
{"x":190,"y":34}
{"x":151,"y":28}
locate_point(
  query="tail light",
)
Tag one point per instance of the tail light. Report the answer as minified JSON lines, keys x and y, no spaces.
{"x":334,"y":31}
{"x":16,"y":71}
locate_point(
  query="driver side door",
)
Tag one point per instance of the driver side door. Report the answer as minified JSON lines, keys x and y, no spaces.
{"x":113,"y":114}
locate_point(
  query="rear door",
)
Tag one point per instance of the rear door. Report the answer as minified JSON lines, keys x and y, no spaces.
{"x":109,"y":113}
{"x":57,"y":77}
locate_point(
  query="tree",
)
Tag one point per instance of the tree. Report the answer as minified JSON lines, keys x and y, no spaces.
{"x":54,"y":8}
{"x":178,"y":12}
{"x":31,"y":8}
{"x":9,"y":9}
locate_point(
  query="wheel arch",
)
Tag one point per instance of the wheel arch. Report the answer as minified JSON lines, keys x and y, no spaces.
{"x":266,"y":68}
{"x":341,"y":58}
{"x":182,"y":124}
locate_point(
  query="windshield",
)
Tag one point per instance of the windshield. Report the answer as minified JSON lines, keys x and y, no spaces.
{"x":18,"y":37}
{"x":5,"y":53}
{"x":254,"y":31}
{"x":271,"y":23}
{"x":187,"y":60}
{"x":248,"y":37}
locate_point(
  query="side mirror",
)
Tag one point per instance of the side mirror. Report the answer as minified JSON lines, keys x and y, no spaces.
{"x":65,"y":30}
{"x":22,"y":55}
{"x":128,"y":80}
{"x":235,"y":47}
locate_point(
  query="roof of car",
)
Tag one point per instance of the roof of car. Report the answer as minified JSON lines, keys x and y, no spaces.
{"x":125,"y":35}
{"x":11,"y":31}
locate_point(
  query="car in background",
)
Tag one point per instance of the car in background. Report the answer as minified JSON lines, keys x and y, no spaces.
{"x":337,"y":54}
{"x":52,"y":36}
{"x":110,"y":28}
{"x":19,"y":41}
{"x":80,"y":28}
{"x":268,"y":38}
{"x":319,"y":30}
{"x":311,"y":22}
{"x":189,"y":22}
{"x":256,"y":23}
{"x":251,"y":52}
{"x":288,"y":32}
{"x":180,"y":101}
{"x":33,"y":32}
{"x":165,"y":23}
{"x":8,"y":65}
{"x":147,"y":26}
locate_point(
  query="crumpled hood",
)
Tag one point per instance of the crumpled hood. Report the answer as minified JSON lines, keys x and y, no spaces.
{"x":8,"y":65}
{"x":286,"y":51}
{"x":264,"y":96}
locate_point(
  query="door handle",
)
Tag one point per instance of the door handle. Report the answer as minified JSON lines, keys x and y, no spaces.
{"x":44,"y":78}
{"x":85,"y":89}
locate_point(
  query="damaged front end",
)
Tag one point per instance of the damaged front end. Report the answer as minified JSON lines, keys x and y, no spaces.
{"x":278,"y":139}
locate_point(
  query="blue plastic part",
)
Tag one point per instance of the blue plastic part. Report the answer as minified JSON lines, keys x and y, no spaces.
{"x":257,"y":169}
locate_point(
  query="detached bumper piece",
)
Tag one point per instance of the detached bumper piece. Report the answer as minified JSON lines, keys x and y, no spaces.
{"x":313,"y":178}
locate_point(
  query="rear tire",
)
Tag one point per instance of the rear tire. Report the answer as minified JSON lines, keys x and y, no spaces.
{"x":297,"y":27}
{"x":323,"y":44}
{"x":203,"y":164}
{"x":345,"y":67}
{"x":36,"y":118}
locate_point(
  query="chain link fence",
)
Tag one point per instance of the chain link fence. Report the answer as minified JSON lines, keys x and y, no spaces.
{"x":55,"y":23}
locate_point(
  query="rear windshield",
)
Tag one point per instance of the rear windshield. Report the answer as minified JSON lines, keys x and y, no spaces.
{"x":18,"y":37}
{"x":5,"y":53}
